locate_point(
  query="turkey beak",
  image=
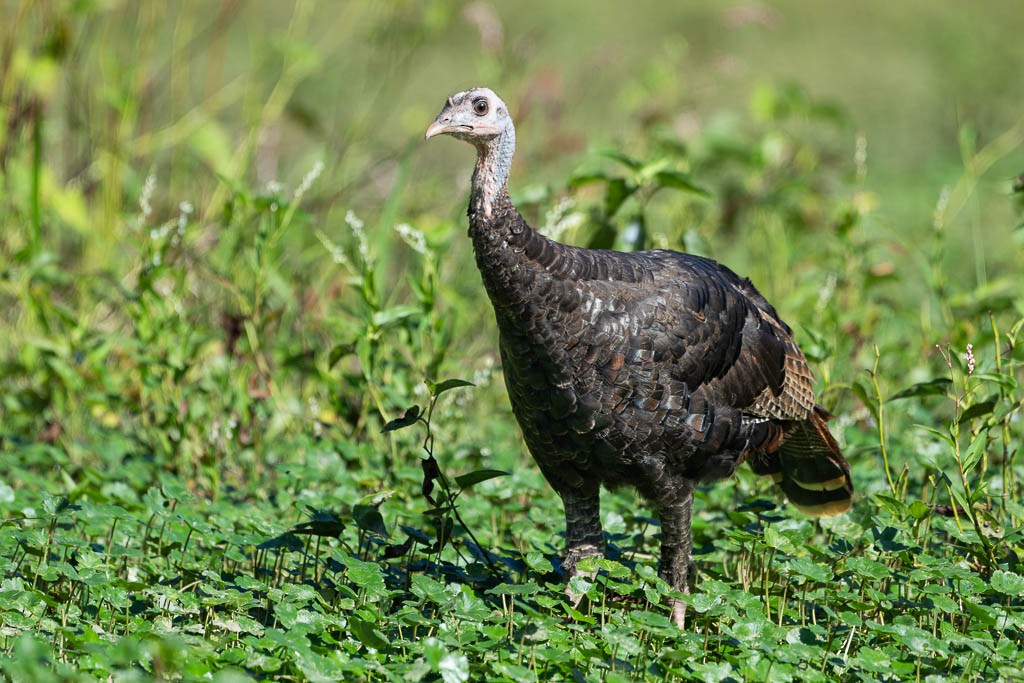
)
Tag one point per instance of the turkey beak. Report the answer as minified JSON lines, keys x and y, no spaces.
{"x":436,"y":128}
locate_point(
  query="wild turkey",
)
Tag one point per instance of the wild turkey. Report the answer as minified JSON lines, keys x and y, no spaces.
{"x":655,"y":369}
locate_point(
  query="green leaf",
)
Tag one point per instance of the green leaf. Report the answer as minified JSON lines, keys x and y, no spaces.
{"x":390,"y":317}
{"x":408,"y":418}
{"x":1008,"y":583}
{"x":617,"y":192}
{"x":618,"y":156}
{"x":944,"y":436}
{"x":933,"y":387}
{"x":975,"y":451}
{"x":680,"y":181}
{"x":55,"y":505}
{"x":982,"y":613}
{"x":702,"y":602}
{"x":366,"y":575}
{"x":526,"y":588}
{"x":339,"y":352}
{"x":368,"y":518}
{"x":581,"y":179}
{"x":1008,"y":382}
{"x":977,"y":410}
{"x":894,"y":506}
{"x":810,"y":569}
{"x":918,"y":509}
{"x":868,"y":569}
{"x":446,"y":385}
{"x":773,"y":538}
{"x":867,"y":398}
{"x":366,"y":634}
{"x":475,"y":477}
{"x":321,"y":524}
{"x":943,"y":603}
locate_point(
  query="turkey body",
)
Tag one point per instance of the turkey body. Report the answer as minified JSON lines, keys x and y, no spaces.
{"x":630,"y":368}
{"x":655,"y":369}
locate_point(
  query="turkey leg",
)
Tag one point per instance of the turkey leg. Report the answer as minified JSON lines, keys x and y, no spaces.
{"x":674,"y":511}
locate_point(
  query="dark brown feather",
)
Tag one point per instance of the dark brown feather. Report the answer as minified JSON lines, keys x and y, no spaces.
{"x":654,"y":369}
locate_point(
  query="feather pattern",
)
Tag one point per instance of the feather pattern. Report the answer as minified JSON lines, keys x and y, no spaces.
{"x":654,"y":369}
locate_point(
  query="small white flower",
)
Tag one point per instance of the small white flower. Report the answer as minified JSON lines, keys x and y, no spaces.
{"x":147,"y":194}
{"x":413,"y":237}
{"x":353,"y":220}
{"x":970,"y":359}
{"x":308,"y":180}
{"x":184,"y":211}
{"x":561,"y":218}
{"x":336,"y":252}
{"x":357,"y":224}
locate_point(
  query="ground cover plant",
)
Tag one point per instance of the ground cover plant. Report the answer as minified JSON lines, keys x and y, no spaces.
{"x":252,"y":422}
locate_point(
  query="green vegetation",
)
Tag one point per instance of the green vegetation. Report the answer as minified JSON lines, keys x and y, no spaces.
{"x":239,"y":319}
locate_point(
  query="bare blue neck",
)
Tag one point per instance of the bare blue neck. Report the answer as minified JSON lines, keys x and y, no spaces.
{"x":490,"y":177}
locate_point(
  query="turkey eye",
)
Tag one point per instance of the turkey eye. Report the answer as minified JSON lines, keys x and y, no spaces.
{"x":480,"y":107}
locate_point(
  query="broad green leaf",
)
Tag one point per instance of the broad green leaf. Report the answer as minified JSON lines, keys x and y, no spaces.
{"x":582,"y":179}
{"x":868,"y":568}
{"x":367,"y":575}
{"x":773,"y":538}
{"x":366,"y":634}
{"x":368,"y":518}
{"x":616,"y":192}
{"x":701,"y":602}
{"x":1008,"y":583}
{"x":977,"y":410}
{"x":408,"y":418}
{"x":287,"y":541}
{"x":895,"y":506}
{"x":396,"y":314}
{"x":1008,"y":382}
{"x":526,"y":588}
{"x":944,"y":435}
{"x":472,"y":478}
{"x":933,"y":387}
{"x":944,"y":603}
{"x":446,"y":385}
{"x":866,"y":397}
{"x":918,"y":509}
{"x":579,"y":585}
{"x":975,"y":451}
{"x":338,"y":352}
{"x":959,"y":499}
{"x":812,"y":570}
{"x":618,"y":156}
{"x":680,"y":181}
{"x":982,"y":613}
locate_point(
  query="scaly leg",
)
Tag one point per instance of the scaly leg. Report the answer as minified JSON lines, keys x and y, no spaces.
{"x":674,"y":510}
{"x":583,"y":535}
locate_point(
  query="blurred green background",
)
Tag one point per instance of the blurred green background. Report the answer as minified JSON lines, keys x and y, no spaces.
{"x":189,"y":182}
{"x":223,"y":158}
{"x":259,"y":90}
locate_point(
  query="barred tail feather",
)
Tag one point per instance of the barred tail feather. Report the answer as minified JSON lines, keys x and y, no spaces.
{"x":815,"y":476}
{"x":809,"y":467}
